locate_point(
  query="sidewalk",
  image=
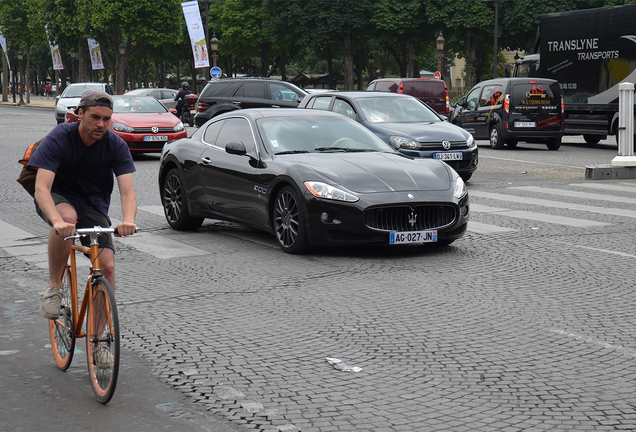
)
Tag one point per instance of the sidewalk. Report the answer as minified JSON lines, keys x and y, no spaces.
{"x":36,"y":102}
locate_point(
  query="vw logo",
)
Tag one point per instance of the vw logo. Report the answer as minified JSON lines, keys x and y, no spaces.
{"x":446,"y":145}
{"x":155,"y":129}
{"x":411,"y":196}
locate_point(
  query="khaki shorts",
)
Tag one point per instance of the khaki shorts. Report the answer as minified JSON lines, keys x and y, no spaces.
{"x":93,"y":218}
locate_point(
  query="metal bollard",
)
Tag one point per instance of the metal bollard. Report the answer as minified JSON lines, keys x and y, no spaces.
{"x":625,"y":134}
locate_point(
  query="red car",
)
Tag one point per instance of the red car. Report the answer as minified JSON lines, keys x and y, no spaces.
{"x":144,"y":123}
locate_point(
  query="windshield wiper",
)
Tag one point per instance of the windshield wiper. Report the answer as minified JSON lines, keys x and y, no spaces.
{"x":327,"y":149}
{"x":291,"y":152}
{"x":342,"y":149}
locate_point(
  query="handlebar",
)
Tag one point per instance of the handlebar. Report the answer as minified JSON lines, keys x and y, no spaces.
{"x":97,"y":230}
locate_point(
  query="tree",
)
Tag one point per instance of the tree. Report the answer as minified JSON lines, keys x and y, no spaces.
{"x":398,"y":27}
{"x":19,"y":30}
{"x":132,"y":25}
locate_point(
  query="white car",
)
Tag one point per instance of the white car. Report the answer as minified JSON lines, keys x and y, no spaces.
{"x":70,"y":97}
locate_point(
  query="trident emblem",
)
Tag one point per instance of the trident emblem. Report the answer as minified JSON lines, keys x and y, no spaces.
{"x":412,"y":219}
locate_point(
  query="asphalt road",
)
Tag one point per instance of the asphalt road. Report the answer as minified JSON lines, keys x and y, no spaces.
{"x":525,"y":324}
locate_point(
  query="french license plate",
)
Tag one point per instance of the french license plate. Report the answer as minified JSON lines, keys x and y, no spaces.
{"x":413,"y":237}
{"x":525,"y":124}
{"x":193,"y":112}
{"x":156,"y":138}
{"x":449,"y":156}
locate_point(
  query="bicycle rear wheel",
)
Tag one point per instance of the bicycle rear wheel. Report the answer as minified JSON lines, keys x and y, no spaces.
{"x":61,"y":329}
{"x":102,"y":340}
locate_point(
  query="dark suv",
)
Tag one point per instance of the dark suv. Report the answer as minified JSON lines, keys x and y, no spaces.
{"x":432,"y":92}
{"x":230,"y":94}
{"x":509,"y":110}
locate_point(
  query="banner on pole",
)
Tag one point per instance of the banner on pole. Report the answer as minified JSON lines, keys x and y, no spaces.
{"x":96,"y":54}
{"x":57,"y":58}
{"x":55,"y":53}
{"x":197,"y":35}
{"x":3,"y":44}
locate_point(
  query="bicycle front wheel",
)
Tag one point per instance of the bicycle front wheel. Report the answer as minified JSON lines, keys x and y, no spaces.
{"x":61,"y":329}
{"x":102,"y":340}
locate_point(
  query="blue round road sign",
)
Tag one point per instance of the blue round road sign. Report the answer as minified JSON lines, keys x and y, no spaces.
{"x":215,"y":72}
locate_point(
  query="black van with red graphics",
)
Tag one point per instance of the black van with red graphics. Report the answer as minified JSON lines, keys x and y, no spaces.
{"x":509,"y":110}
{"x":431,"y":91}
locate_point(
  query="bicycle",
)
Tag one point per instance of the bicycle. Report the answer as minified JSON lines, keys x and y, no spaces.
{"x":99,"y":309}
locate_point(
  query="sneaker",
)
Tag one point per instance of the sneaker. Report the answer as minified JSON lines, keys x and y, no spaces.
{"x":51,"y":303}
{"x":102,"y":357}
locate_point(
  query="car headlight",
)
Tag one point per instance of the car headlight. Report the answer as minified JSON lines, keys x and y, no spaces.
{"x":324,"y":190}
{"x":120,"y":127}
{"x":179,"y":127}
{"x":398,"y":142}
{"x":471,"y":142}
{"x":460,"y":188}
{"x":61,"y":107}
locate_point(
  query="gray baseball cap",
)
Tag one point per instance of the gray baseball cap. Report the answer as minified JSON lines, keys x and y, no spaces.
{"x":93,"y":98}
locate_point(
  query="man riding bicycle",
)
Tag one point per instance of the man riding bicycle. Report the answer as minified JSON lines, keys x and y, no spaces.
{"x":76,"y":165}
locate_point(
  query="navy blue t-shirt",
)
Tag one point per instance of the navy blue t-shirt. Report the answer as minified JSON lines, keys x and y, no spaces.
{"x":91,"y":185}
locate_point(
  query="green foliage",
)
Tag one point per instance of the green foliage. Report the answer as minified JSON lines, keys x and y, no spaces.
{"x":284,"y":36}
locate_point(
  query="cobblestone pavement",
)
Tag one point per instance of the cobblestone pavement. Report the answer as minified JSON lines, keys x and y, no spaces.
{"x":525,"y":324}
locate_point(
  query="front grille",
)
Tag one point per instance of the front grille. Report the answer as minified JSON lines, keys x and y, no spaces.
{"x":437,"y":145}
{"x":407,"y":218}
{"x":148,"y":130}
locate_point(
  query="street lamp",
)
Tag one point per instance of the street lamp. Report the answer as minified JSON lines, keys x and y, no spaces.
{"x":120,"y":72}
{"x":20,"y":57}
{"x":214,"y":46}
{"x":73,"y":57}
{"x":440,"y":41}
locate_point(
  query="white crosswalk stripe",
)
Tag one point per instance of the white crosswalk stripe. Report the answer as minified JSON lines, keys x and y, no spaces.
{"x":553,"y":204}
{"x":535,"y":216}
{"x":514,"y":195}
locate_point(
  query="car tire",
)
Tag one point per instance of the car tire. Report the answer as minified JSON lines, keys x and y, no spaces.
{"x":592,"y":139}
{"x":466,"y":176}
{"x":175,"y":205}
{"x":554,"y":143}
{"x":511,"y":143}
{"x":496,"y":141}
{"x":289,"y":221}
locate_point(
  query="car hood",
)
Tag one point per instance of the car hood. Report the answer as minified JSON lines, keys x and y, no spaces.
{"x":69,"y":102}
{"x":423,"y":132}
{"x":146,"y":119}
{"x":375,"y":171}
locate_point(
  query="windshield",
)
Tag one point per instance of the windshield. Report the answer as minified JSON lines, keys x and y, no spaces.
{"x":139,"y":104}
{"x":285,"y":135}
{"x":396,"y":110}
{"x":137,"y":92}
{"x":78,"y":90}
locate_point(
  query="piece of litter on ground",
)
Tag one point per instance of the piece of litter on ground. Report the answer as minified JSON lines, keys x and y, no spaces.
{"x":340,"y":365}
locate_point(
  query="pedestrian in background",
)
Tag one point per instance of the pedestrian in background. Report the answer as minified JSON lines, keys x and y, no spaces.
{"x":47,"y":90}
{"x":53,"y":89}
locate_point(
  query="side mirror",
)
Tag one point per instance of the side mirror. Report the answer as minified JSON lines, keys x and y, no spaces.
{"x":172,"y":110}
{"x":236,"y":148}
